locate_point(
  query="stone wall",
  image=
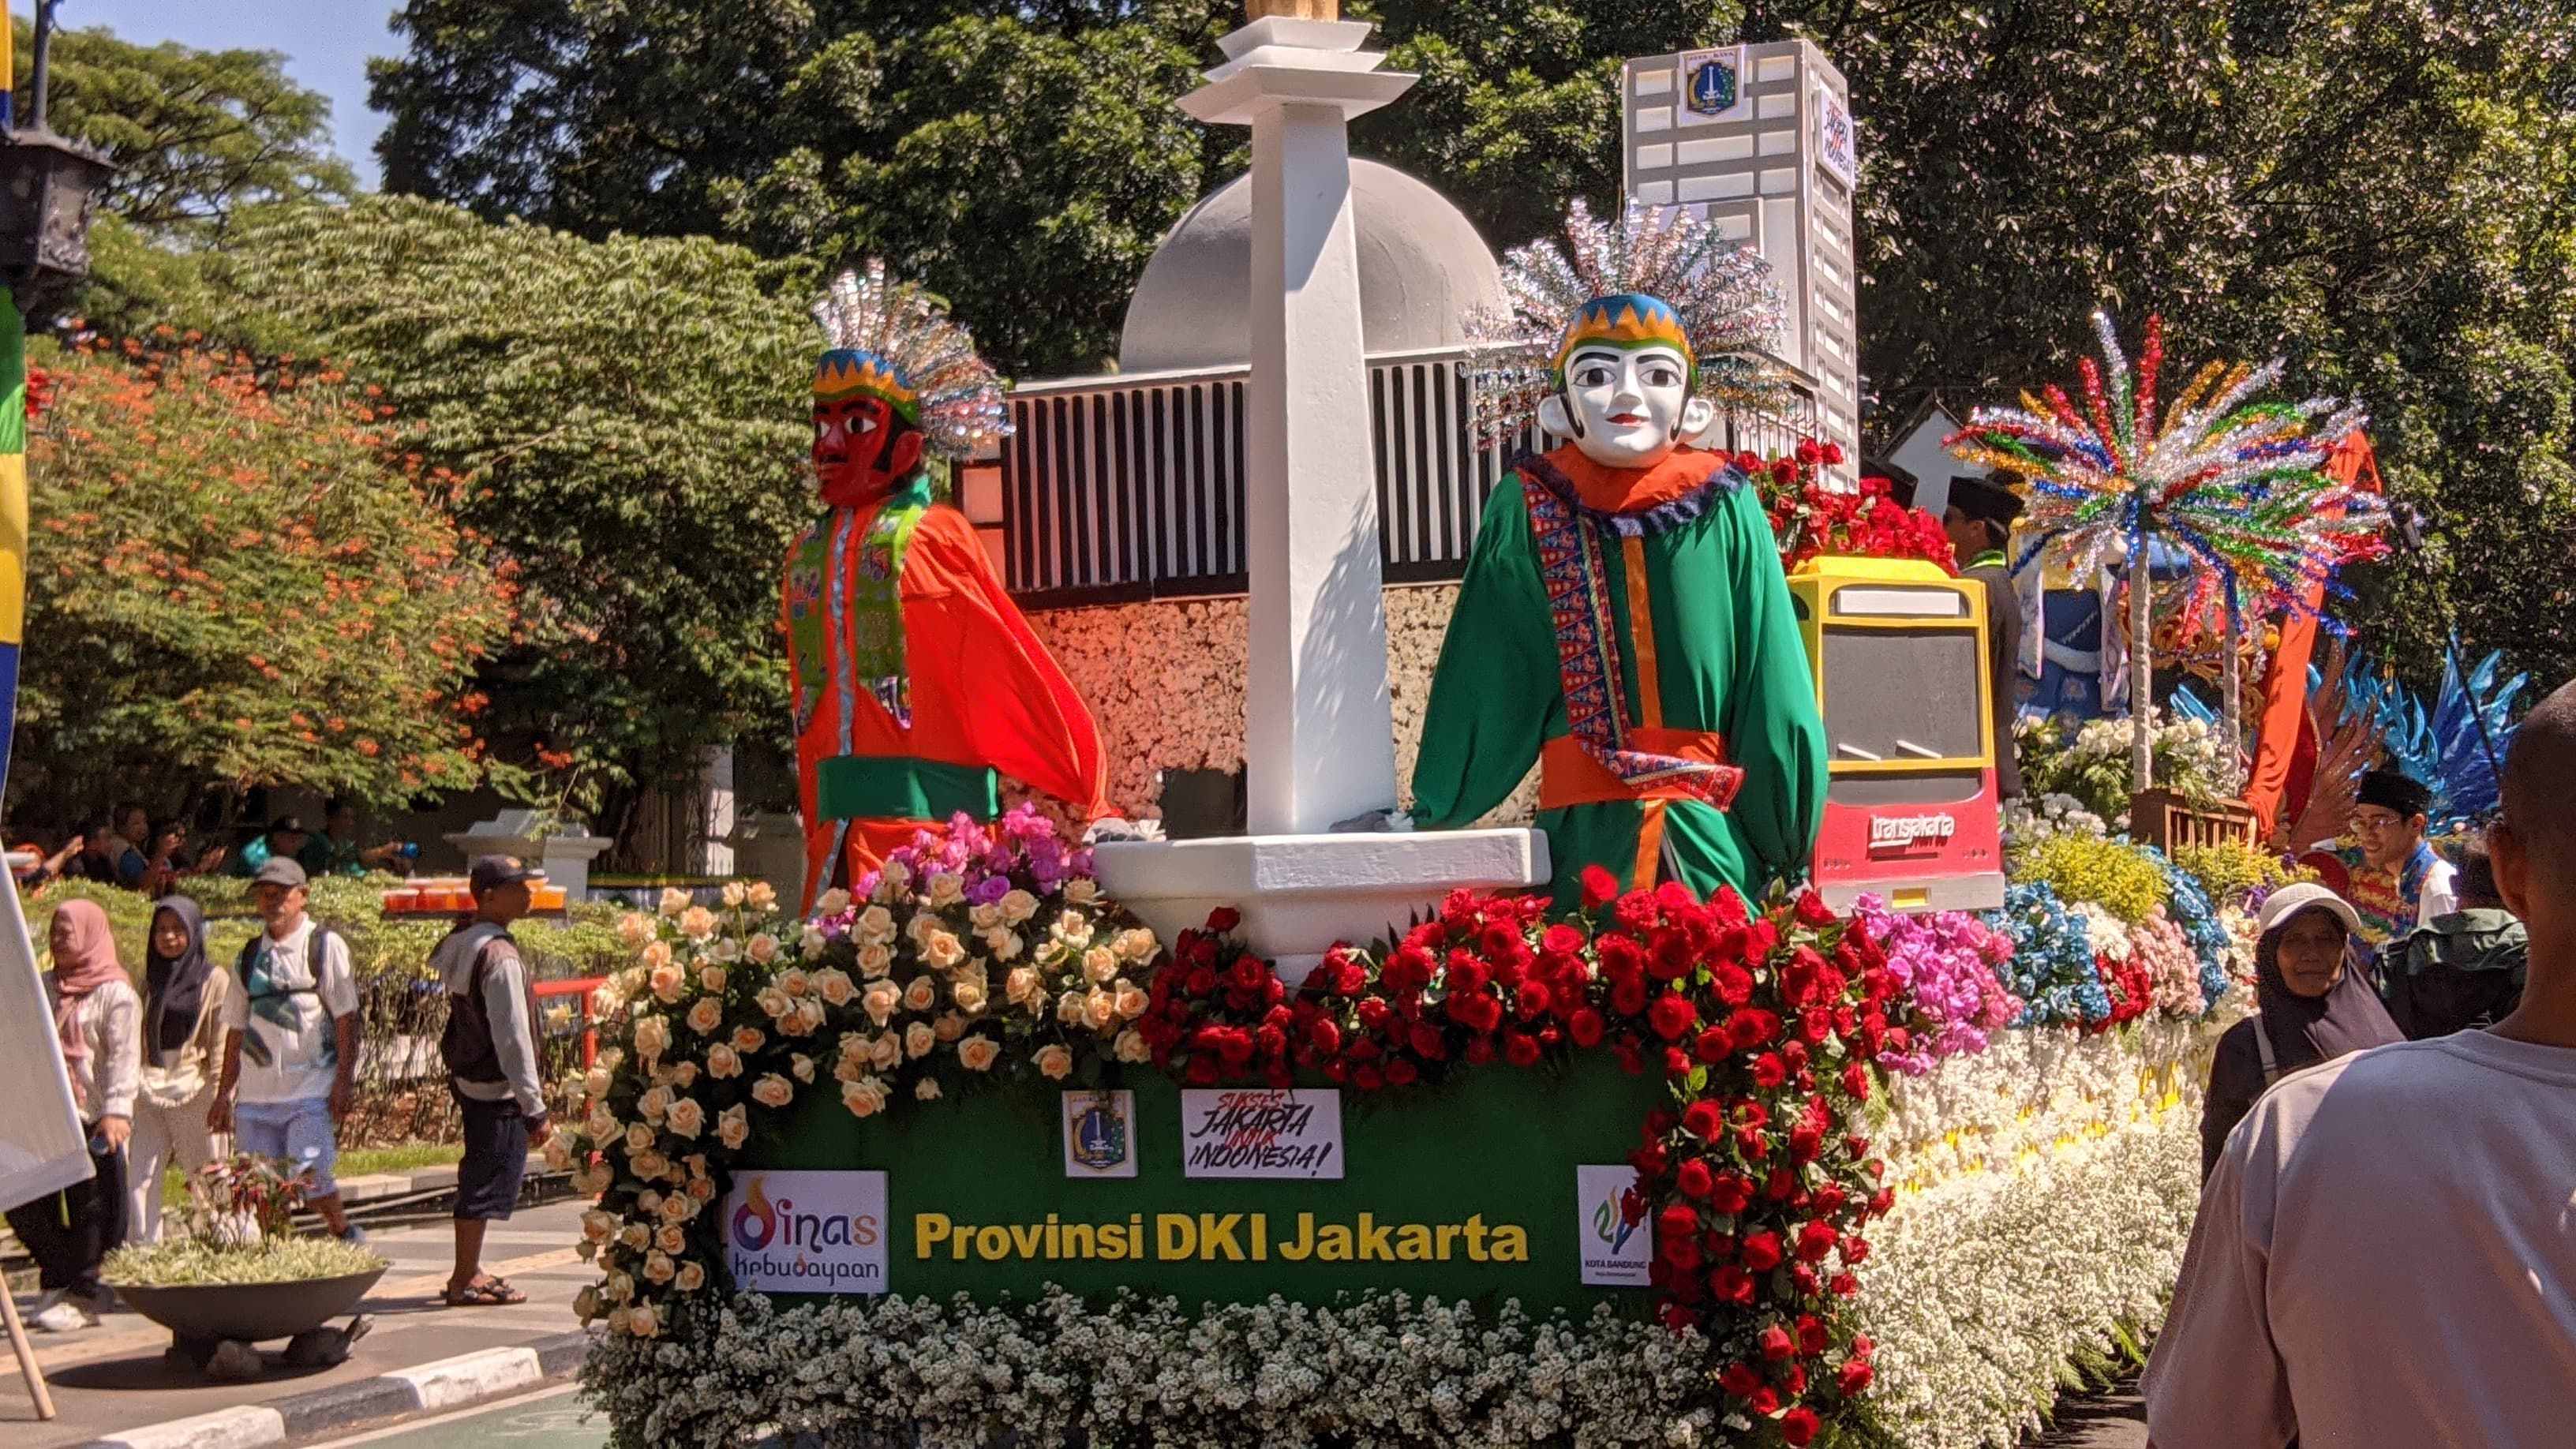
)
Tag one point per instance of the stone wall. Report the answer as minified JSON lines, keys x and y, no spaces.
{"x":1166,"y":681}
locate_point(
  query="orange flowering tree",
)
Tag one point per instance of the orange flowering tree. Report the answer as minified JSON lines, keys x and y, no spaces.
{"x":233,"y":581}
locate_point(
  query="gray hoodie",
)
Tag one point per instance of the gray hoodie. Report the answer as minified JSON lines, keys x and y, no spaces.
{"x":505,"y":1000}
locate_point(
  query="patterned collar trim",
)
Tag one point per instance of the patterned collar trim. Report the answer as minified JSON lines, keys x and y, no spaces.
{"x":1645,"y":522}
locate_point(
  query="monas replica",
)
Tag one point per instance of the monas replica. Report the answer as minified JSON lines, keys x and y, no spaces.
{"x":1624,"y":622}
{"x":914,"y":676}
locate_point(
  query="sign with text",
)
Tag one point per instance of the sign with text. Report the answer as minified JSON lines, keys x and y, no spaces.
{"x":1292,"y":1132}
{"x":807,"y":1232}
{"x":1616,"y":1252}
{"x":1837,"y":140}
{"x":1713,"y":87}
{"x":1100,"y":1134}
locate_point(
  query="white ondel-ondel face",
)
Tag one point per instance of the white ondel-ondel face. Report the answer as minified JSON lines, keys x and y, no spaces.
{"x":1624,"y":407}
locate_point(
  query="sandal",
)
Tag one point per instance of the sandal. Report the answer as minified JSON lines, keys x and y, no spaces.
{"x":484,"y":1293}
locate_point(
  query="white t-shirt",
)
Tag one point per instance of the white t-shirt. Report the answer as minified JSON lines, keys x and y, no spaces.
{"x":290,"y":1050}
{"x":2441,"y":892}
{"x":2386,"y":1254}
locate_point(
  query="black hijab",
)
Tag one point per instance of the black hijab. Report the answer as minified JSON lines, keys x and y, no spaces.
{"x":174,"y":990}
{"x":2306,"y":1030}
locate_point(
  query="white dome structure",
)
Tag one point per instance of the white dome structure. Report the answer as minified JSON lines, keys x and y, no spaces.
{"x":1423,"y":272}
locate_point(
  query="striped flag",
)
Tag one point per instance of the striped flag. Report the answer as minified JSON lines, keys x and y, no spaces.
{"x":13,"y":516}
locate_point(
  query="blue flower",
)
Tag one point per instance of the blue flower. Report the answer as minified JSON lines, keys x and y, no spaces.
{"x":2051,"y":968}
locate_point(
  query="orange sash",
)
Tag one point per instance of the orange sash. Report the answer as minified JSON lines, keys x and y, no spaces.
{"x":1568,"y":776}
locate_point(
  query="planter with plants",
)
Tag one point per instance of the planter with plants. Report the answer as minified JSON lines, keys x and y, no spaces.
{"x":240,"y":1277}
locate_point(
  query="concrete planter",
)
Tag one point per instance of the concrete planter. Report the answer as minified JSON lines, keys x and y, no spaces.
{"x":247,"y":1312}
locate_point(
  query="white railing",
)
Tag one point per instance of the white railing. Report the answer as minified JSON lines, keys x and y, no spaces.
{"x":1131,"y":487}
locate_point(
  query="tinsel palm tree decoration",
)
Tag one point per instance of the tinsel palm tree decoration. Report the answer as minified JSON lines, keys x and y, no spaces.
{"x":2229,"y":482}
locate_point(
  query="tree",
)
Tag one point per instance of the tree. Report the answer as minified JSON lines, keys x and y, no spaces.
{"x":232,"y":583}
{"x":195,"y":133}
{"x":624,"y":425}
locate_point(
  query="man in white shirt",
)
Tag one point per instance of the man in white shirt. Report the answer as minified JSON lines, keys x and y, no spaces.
{"x":2386,"y":1251}
{"x":291,"y":1044}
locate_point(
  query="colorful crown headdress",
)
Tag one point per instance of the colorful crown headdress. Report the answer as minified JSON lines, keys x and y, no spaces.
{"x":893,"y":340}
{"x":1654,"y":275}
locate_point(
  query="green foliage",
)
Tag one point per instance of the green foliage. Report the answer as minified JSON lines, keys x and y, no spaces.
{"x":621,"y":420}
{"x":189,"y":1262}
{"x":195,"y":133}
{"x":233,"y":582}
{"x":2110,"y":873}
{"x":2230,"y":868}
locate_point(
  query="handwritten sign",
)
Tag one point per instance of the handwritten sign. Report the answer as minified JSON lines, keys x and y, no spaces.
{"x":1291,"y":1133}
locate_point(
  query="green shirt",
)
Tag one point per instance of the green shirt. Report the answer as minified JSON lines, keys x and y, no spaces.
{"x":1729,"y":659}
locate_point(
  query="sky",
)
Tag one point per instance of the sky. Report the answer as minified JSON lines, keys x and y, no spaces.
{"x":326,"y":44}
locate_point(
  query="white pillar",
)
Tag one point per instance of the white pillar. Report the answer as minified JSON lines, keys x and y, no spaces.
{"x":1319,"y":733}
{"x":715,"y":785}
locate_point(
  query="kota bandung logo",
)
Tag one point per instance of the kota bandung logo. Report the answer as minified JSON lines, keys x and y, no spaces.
{"x":1610,"y":1224}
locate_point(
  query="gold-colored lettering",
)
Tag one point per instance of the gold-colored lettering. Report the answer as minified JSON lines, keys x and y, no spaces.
{"x":1449,"y":1235}
{"x":960,"y":1240}
{"x":1373,"y":1239}
{"x":1026,"y":1239}
{"x":929,"y":1230}
{"x":1176,"y":1235}
{"x":1080,"y":1241}
{"x":1476,"y":1237}
{"x":1334,"y":1244}
{"x":1511,"y":1244}
{"x":992,"y":1244}
{"x":1304,"y":1246}
{"x":1413,"y":1243}
{"x":1260,"y":1237}
{"x":1216,"y":1235}
{"x":1051,"y":1238}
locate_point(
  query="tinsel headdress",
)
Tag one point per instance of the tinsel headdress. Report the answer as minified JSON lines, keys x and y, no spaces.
{"x":2233,"y":483}
{"x":894,"y":341}
{"x":1653,"y":274}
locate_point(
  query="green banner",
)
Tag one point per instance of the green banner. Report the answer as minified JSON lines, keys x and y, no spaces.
{"x":1469,"y":1192}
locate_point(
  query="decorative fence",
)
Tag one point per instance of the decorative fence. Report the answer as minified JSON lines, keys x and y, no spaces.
{"x":1116,"y":489}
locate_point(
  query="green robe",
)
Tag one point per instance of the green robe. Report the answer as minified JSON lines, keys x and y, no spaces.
{"x":1729,"y":659}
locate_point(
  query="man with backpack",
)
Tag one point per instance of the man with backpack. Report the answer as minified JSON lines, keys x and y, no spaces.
{"x":490,"y":1048}
{"x":2463,"y":970}
{"x":291,"y":1042}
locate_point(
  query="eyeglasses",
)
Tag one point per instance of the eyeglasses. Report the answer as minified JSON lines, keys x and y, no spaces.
{"x":2380,"y":820}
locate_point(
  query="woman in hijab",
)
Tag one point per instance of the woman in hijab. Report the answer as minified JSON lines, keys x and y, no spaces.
{"x":98,"y":1019}
{"x":2311,"y":1006}
{"x":183,"y":1042}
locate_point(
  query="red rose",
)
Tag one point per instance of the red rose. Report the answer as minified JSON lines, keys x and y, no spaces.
{"x":1712,"y":1045}
{"x":1202,"y":1070}
{"x":1856,"y":1082}
{"x":1731,"y":1284}
{"x":1854,"y":1377}
{"x":1739,"y":1379}
{"x":1466,"y":973}
{"x":1734,"y":984}
{"x":1703,"y":1119}
{"x":1855,"y":1250}
{"x":1480,"y":1050}
{"x":1401,"y":1073}
{"x":1812,"y":1338}
{"x":1731,"y":1194}
{"x":1599,"y":887}
{"x":1775,"y":1343}
{"x":1532,"y":1001}
{"x":1695,"y":1178}
{"x":1799,"y":1426}
{"x":1561,"y":938}
{"x":1649,"y":1159}
{"x":1761,"y":1251}
{"x":1671,"y":1015}
{"x":1628,"y":995}
{"x":1585,"y":1026}
{"x":1677,"y":1220}
{"x":1677,"y":1063}
{"x":1812,"y":910}
{"x":1520,"y":1050}
{"x":1769,"y":1070}
{"x":1764,"y":1403}
{"x":1368,"y":1079}
{"x":1223,"y":919}
{"x":1843,"y":1285}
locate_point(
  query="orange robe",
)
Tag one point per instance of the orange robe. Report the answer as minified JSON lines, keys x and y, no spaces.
{"x":985,"y":697}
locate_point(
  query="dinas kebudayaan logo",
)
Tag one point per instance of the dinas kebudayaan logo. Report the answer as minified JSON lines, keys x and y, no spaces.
{"x":755,"y":1222}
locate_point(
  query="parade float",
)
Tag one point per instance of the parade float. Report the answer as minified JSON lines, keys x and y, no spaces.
{"x":1563,"y":1122}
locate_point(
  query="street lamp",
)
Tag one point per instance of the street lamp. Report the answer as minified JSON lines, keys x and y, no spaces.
{"x":49,"y":191}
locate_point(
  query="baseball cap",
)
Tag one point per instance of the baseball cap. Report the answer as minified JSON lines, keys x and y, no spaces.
{"x":499,"y":870}
{"x":279,"y":870}
{"x":287,"y":825}
{"x":2288,"y":901}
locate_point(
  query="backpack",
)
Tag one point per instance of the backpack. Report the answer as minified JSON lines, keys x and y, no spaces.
{"x":466,"y":1046}
{"x":316,"y":949}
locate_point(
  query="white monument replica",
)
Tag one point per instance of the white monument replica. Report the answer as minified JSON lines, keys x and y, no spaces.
{"x":1319,"y":745}
{"x":1758,"y":139}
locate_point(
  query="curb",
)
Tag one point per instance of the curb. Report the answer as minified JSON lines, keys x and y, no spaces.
{"x":430,"y":1388}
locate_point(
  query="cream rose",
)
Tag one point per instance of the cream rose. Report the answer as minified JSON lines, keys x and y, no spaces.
{"x":772,"y":1001}
{"x":921,"y":995}
{"x":811,"y":941}
{"x":969,"y":995}
{"x":595,"y":1081}
{"x":865,"y":1097}
{"x":1132,"y":1000}
{"x":698,"y":923}
{"x":949,"y":1026}
{"x":642,"y":1321}
{"x":834,"y":985}
{"x":1132,"y":1047}
{"x":761,"y":895}
{"x":808,"y":1016}
{"x":1081,"y":890}
{"x":926,"y":1090}
{"x":801,"y":1066}
{"x":706,"y":1016}
{"x":658,"y":1267}
{"x":772,"y":1090}
{"x":733,"y":1127}
{"x":634,"y":1236}
{"x":1099,"y":964}
{"x":978,"y":1053}
{"x":671,"y":1238}
{"x":762,"y":948}
{"x":947,"y":888}
{"x":585,"y":1304}
{"x":1054,"y":1062}
{"x":875,"y":960}
{"x":652,"y":1037}
{"x":876,"y":923}
{"x":1073,"y":929}
{"x":886,"y":1052}
{"x":635,"y":928}
{"x":725,"y":949}
{"x":880,"y":1000}
{"x":598,"y":1224}
{"x":685,"y":1074}
{"x":653,"y":1104}
{"x":674,"y":900}
{"x":1018,"y":906}
{"x":918,"y":1039}
{"x":692,"y":1278}
{"x":943,"y":950}
{"x":1069,"y":1007}
{"x":985,"y":918}
{"x":1099,"y":1009}
{"x":1004,"y":945}
{"x":1020,"y":985}
{"x":711,"y":978}
{"x":1135,"y":944}
{"x":748,"y":1038}
{"x":793,"y":981}
{"x":832,"y":902}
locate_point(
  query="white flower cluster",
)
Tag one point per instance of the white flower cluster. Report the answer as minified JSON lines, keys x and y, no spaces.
{"x":2046,"y":1191}
{"x":2026,"y":824}
{"x":1385,"y":1369}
